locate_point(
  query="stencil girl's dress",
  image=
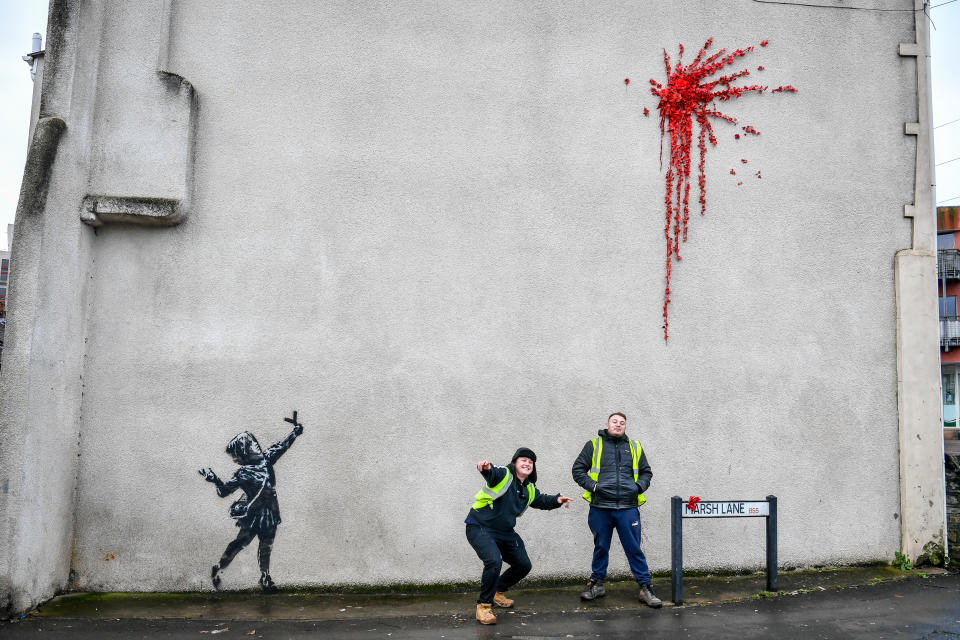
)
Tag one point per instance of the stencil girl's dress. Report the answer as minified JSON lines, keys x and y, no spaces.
{"x":260,"y":514}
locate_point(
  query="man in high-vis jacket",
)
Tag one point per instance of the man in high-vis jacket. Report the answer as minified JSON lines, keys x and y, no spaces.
{"x":506,"y":495}
{"x":614,"y":471}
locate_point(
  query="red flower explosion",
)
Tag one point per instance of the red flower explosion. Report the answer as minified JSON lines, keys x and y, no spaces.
{"x":688,"y":96}
{"x":692,"y":504}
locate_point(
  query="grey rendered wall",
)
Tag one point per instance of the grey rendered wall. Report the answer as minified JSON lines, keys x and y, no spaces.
{"x":436,"y":231}
{"x":40,"y":384}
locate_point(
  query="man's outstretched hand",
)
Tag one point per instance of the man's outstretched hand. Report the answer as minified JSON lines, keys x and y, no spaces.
{"x":208,"y":475}
{"x":483,"y":465}
{"x":564,"y":500}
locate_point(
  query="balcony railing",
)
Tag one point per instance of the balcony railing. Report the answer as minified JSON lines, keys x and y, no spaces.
{"x":948,"y":263}
{"x":949,"y":331}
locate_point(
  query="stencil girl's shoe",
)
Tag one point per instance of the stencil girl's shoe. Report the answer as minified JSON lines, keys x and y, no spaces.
{"x":266,"y":582}
{"x":215,"y":576}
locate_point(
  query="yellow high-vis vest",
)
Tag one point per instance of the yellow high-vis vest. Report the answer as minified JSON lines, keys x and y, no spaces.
{"x":635,"y":451}
{"x":488,"y":494}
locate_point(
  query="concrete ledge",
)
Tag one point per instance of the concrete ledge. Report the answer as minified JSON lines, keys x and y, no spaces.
{"x":909,"y":49}
{"x":155,"y":212}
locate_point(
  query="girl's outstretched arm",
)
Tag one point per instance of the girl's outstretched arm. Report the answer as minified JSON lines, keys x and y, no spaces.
{"x":273,"y":453}
{"x":223,"y":488}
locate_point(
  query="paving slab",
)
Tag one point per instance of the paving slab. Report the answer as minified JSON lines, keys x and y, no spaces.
{"x":293,"y":604}
{"x":907,"y":606}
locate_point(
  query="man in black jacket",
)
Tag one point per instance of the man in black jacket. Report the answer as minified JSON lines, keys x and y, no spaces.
{"x":507,"y":494}
{"x":614,"y":472}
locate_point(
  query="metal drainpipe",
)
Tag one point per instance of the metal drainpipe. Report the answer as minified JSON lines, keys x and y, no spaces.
{"x":31,"y":59}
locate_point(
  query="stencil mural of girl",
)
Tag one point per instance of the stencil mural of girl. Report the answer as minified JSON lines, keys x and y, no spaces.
{"x":257,"y":513}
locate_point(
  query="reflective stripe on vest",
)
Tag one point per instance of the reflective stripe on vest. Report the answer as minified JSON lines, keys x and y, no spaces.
{"x":635,"y":451}
{"x":488,"y":494}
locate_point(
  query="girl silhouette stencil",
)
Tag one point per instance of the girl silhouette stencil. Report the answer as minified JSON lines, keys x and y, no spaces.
{"x":257,"y":513}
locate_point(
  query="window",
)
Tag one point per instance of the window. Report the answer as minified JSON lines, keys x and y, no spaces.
{"x":948,"y":381}
{"x":948,"y":306}
{"x":944,"y":241}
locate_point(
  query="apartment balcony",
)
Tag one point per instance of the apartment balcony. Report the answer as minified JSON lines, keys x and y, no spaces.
{"x":948,"y":263}
{"x":949,"y":331}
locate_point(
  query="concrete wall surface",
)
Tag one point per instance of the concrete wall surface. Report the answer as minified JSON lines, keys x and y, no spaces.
{"x":436,"y":230}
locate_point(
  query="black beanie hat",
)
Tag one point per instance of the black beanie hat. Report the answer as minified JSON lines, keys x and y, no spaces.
{"x":523,"y":452}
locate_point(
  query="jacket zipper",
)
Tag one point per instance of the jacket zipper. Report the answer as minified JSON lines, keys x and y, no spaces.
{"x":618,"y":474}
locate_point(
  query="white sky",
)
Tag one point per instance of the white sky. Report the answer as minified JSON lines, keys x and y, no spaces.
{"x":945,"y":71}
{"x":20,"y":18}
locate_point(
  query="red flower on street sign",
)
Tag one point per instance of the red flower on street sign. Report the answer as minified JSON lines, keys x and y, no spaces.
{"x":692,"y":505}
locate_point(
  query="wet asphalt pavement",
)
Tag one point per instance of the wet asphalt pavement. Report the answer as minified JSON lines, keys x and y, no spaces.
{"x":912,"y":608}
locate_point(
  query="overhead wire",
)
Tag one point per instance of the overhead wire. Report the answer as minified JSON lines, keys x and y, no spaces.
{"x":925,"y":7}
{"x":832,"y":6}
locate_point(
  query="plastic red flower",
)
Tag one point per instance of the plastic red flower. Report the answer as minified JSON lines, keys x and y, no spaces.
{"x":691,"y":96}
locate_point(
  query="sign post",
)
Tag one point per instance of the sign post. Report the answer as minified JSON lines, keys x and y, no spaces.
{"x":696,"y":508}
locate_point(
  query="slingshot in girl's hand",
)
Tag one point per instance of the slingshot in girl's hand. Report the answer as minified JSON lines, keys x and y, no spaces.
{"x":297,"y":427}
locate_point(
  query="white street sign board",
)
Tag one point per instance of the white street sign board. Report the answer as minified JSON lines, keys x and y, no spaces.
{"x":731,"y":509}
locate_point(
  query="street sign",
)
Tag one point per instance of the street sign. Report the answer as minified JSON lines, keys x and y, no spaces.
{"x":697,"y":508}
{"x":732,"y":509}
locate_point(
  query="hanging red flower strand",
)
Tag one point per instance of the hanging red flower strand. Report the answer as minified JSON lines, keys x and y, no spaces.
{"x":689,"y":96}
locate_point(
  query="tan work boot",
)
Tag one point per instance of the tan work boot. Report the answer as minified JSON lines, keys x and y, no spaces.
{"x":485,"y":615}
{"x":501,"y":600}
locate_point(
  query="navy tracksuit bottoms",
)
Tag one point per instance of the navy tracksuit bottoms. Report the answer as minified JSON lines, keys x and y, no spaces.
{"x":627,"y":523}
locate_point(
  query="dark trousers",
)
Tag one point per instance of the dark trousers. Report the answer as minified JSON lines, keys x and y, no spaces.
{"x":627,"y":523}
{"x":244,"y":537}
{"x":494,"y":548}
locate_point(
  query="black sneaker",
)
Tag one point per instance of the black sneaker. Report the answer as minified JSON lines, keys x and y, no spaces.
{"x":648,"y":597}
{"x":266,"y":582}
{"x":594,"y":590}
{"x":215,"y":576}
